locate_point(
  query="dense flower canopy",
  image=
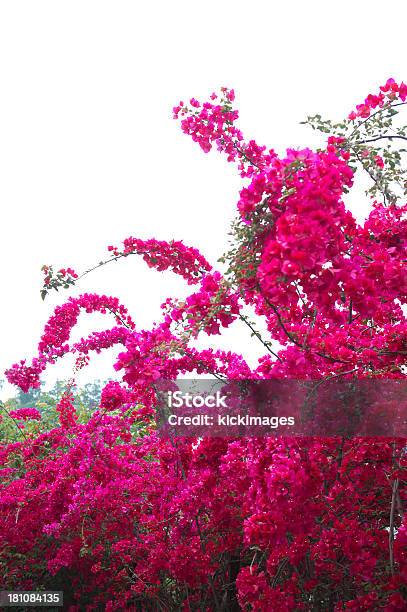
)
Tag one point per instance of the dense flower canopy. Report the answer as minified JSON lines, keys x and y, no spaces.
{"x":118,"y":516}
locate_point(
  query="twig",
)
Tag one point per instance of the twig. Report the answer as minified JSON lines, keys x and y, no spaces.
{"x":258,"y":336}
{"x":383,"y":137}
{"x":20,"y":431}
{"x":391,"y":525}
{"x":294,"y":340}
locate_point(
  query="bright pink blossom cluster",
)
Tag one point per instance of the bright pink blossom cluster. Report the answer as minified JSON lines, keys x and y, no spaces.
{"x":63,"y":274}
{"x":389,"y":92}
{"x":211,"y":308}
{"x":66,"y":410}
{"x":25,"y":414}
{"x":54,"y":341}
{"x":161,"y":255}
{"x":212,"y":123}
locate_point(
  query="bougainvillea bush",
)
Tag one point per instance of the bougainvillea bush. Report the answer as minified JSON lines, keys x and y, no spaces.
{"x":118,"y":517}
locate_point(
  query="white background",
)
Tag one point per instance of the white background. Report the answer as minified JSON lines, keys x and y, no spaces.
{"x":89,"y":153}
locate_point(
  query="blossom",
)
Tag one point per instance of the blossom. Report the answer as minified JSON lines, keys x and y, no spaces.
{"x":25,"y":414}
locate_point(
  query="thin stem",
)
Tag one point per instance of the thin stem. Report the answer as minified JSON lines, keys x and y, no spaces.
{"x":382,"y":137}
{"x":20,"y":431}
{"x":391,"y":524}
{"x":258,"y":336}
{"x":294,"y":340}
{"x":380,"y":110}
{"x":372,"y":177}
{"x":330,"y":377}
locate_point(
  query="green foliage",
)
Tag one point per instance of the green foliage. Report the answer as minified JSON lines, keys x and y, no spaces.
{"x":380,"y":135}
{"x":86,"y":401}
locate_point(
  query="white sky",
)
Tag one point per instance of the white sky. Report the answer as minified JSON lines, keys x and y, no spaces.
{"x":89,"y":153}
